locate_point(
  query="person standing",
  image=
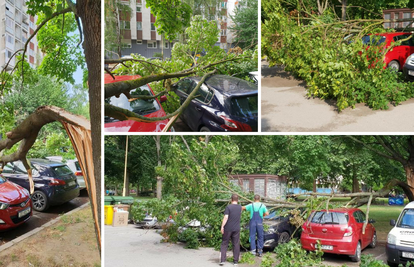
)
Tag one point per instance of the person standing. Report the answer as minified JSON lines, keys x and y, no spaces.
{"x":257,"y":211}
{"x":230,"y":229}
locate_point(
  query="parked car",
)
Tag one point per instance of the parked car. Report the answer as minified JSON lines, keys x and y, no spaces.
{"x":223,"y":103}
{"x":15,"y":204}
{"x":400,"y":240}
{"x":280,"y":230}
{"x":150,"y":108}
{"x":408,"y":68}
{"x":74,"y":166}
{"x":395,"y":58}
{"x":339,"y":231}
{"x":54,"y":182}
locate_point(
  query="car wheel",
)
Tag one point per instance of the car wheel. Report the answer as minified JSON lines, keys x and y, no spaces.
{"x":394,"y":65}
{"x":284,"y":237}
{"x":40,"y":201}
{"x":374,"y":241}
{"x":357,"y":256}
{"x":204,"y":129}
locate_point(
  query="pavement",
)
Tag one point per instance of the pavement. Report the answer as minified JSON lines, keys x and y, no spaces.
{"x":286,"y":108}
{"x":180,"y":126}
{"x":130,"y":246}
{"x":39,"y":219}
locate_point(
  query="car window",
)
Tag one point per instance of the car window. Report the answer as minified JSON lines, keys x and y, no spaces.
{"x":204,"y":94}
{"x":244,"y":106}
{"x":359,"y":216}
{"x":62,"y":170}
{"x":138,"y":106}
{"x":78,"y":168}
{"x":373,"y":39}
{"x":402,"y":37}
{"x":2,"y":179}
{"x":324,"y":217}
{"x":406,"y":219}
{"x":186,"y":85}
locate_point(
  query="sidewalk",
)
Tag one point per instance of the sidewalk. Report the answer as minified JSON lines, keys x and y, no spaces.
{"x":286,"y":108}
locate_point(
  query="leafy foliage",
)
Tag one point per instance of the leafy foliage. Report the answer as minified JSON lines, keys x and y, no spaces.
{"x":267,"y":260}
{"x":292,"y":254}
{"x":333,"y":68}
{"x":368,"y":260}
{"x":190,"y":237}
{"x":245,"y":26}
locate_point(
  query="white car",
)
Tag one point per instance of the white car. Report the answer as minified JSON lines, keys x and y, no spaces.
{"x":400,"y":241}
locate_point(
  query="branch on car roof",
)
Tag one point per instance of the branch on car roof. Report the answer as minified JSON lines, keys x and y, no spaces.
{"x":124,"y":114}
{"x":123,"y":60}
{"x":117,"y":88}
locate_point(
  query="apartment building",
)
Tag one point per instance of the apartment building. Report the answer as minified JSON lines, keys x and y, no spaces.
{"x":397,"y":14}
{"x":140,"y":35}
{"x":15,"y":28}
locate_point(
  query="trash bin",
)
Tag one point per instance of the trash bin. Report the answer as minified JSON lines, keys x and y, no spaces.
{"x":123,"y":200}
{"x":109,"y":200}
{"x":109,"y":214}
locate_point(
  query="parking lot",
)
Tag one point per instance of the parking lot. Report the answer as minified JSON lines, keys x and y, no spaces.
{"x":40,"y":218}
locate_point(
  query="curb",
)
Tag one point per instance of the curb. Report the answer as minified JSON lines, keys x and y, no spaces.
{"x":38,"y":229}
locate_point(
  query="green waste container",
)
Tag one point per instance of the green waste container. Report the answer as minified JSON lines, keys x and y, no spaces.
{"x":109,"y":200}
{"x":123,"y":200}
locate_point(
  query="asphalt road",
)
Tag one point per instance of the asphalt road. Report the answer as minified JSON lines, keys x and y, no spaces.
{"x":124,"y":245}
{"x":40,"y":218}
{"x":286,"y":108}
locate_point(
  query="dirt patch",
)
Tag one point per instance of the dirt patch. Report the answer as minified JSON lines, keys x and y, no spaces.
{"x":70,"y":242}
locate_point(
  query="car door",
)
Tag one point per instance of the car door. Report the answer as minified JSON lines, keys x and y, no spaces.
{"x":360,"y":219}
{"x":402,"y":51}
{"x":183,"y":89}
{"x":14,"y":173}
{"x":367,"y":236}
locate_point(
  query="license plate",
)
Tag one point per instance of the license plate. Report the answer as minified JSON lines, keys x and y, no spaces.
{"x":72,"y":183}
{"x":22,"y":213}
{"x":409,"y":255}
{"x":327,"y":247}
{"x":411,"y":72}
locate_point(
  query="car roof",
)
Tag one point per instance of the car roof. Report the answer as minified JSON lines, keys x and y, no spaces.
{"x":228,"y":85}
{"x":410,"y":205}
{"x":108,"y":78}
{"x":46,"y":162}
{"x":343,"y":210}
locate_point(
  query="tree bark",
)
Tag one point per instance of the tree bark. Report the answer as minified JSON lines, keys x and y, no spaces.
{"x":159,"y":179}
{"x":355,"y":182}
{"x":409,"y":172}
{"x":90,"y":13}
{"x":344,"y":3}
{"x":125,"y":189}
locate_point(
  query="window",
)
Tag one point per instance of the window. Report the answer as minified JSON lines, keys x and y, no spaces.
{"x":204,"y":94}
{"x":223,"y":4}
{"x":406,"y":219}
{"x":166,"y":45}
{"x":186,"y":86}
{"x":152,"y":27}
{"x":138,"y":9}
{"x":402,"y":37}
{"x":125,"y":25}
{"x":125,"y":45}
{"x":139,"y":25}
{"x":322,"y":217}
{"x":9,"y":39}
{"x":223,"y":33}
{"x":406,"y":15}
{"x":31,"y":24}
{"x":387,"y":17}
{"x":8,"y":54}
{"x":152,"y":44}
{"x":139,"y":41}
{"x":9,"y":23}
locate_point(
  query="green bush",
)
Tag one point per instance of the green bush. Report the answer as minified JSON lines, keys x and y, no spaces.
{"x":369,"y":261}
{"x":190,"y":237}
{"x":292,"y":254}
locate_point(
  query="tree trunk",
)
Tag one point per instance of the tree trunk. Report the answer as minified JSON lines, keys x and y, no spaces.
{"x":344,"y":3}
{"x":314,"y":186}
{"x":409,"y":172}
{"x":118,"y":30}
{"x":159,"y":179}
{"x":355,"y":182}
{"x":159,"y":187}
{"x":125,"y":190}
{"x":137,"y":190}
{"x":90,"y":13}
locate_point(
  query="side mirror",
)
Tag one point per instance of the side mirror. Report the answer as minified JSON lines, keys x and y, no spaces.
{"x":371,"y":221}
{"x":163,"y":98}
{"x":392,"y":222}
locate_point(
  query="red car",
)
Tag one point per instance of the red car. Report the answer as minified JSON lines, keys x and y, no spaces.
{"x":339,"y":232}
{"x":148,"y":108}
{"x":15,"y":204}
{"x":395,"y":58}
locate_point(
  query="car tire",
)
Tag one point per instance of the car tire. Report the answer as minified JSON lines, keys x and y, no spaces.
{"x":357,"y":256}
{"x":373,"y":243}
{"x":394,"y":65}
{"x":40,"y":201}
{"x":284,"y":237}
{"x":204,"y":129}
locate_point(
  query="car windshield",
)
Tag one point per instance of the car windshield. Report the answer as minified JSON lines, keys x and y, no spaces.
{"x":373,"y":40}
{"x":406,"y":219}
{"x":138,"y":106}
{"x":324,"y":217}
{"x":61,"y":170}
{"x":244,"y":106}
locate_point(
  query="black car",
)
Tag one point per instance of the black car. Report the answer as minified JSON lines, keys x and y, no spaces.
{"x":223,"y":103}
{"x":280,"y":230}
{"x":408,"y":68}
{"x":54,"y":182}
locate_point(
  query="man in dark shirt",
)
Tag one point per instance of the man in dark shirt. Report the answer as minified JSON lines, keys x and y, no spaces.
{"x":230,"y":228}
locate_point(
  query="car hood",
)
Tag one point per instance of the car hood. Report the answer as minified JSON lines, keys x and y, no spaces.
{"x":12,"y":193}
{"x":136,"y":126}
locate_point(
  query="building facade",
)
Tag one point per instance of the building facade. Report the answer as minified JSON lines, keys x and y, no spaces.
{"x":140,"y":35}
{"x":265,"y":185}
{"x":397,"y":14}
{"x":15,"y":28}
